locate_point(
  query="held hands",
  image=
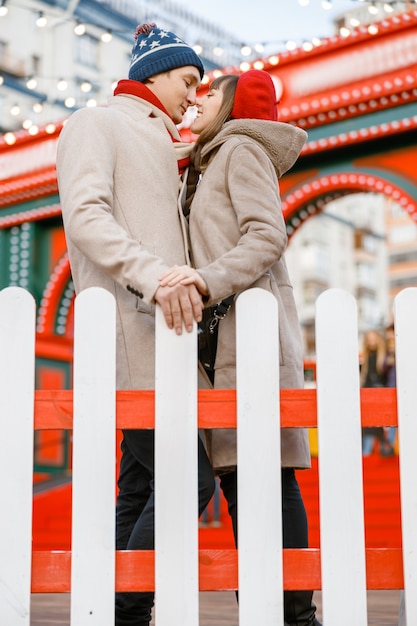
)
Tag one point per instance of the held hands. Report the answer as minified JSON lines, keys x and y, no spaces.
{"x":180,"y":298}
{"x":180,"y":303}
{"x":184,"y":275}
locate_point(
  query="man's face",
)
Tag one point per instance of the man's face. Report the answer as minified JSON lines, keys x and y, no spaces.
{"x":176,"y":90}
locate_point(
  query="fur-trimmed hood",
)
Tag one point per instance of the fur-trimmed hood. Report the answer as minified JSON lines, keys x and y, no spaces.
{"x":282,"y":142}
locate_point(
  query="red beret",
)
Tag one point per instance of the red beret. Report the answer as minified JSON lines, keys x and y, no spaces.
{"x":255,"y":97}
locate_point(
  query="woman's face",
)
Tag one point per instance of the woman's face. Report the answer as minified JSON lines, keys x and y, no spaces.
{"x":207,"y":109}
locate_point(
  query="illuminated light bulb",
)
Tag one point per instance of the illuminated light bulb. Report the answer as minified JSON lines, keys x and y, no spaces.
{"x":50,"y":128}
{"x":41,"y":20}
{"x":259,"y":65}
{"x":37,"y":107}
{"x":354,"y":22}
{"x":3,"y":9}
{"x":31,"y":83}
{"x":326,"y":4}
{"x":79,"y":29}
{"x":303,"y":3}
{"x":62,"y":84}
{"x":205,"y":80}
{"x":388,"y":8}
{"x":246,"y":51}
{"x":91,"y":103}
{"x":372,"y":29}
{"x":344,"y":31}
{"x":26,"y":124}
{"x":86,"y":87}
{"x":273,"y":60}
{"x":244,"y":67}
{"x":372,"y":9}
{"x":69,"y":102}
{"x":106,"y":37}
{"x":217,"y":73}
{"x":259,"y":48}
{"x":198,"y":49}
{"x":1,"y":80}
{"x":33,"y":130}
{"x":10,"y":139}
{"x":290,"y":45}
{"x":15,"y":110}
{"x":316,"y":41}
{"x":218,"y":51}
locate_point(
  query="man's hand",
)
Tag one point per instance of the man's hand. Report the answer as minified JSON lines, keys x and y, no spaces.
{"x":180,"y":304}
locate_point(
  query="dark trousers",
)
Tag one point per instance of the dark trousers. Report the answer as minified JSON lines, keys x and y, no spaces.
{"x":298,"y":606}
{"x":294,"y":518}
{"x":135,"y":512}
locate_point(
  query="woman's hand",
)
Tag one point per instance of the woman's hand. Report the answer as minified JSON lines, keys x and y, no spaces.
{"x":185,"y":275}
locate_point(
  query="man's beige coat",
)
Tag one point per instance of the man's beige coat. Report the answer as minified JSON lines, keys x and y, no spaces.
{"x":118,"y":183}
{"x":238,"y":238}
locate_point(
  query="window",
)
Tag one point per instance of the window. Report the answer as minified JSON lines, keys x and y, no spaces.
{"x":86,"y":50}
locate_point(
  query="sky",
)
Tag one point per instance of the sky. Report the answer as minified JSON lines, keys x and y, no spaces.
{"x":255,"y":21}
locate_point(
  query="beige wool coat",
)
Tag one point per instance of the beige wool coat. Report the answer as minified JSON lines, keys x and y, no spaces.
{"x":119,"y":184}
{"x":238,"y":238}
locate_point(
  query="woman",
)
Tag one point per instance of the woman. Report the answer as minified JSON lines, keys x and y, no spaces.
{"x":238,"y":238}
{"x":373,"y":373}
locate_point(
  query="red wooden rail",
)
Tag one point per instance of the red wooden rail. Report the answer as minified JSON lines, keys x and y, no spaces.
{"x":216,"y":408}
{"x":218,"y":568}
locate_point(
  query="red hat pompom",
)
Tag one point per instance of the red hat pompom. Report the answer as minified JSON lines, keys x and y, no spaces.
{"x":144,"y":29}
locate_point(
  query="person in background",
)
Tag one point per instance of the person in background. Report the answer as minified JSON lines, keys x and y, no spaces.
{"x":120,"y":170}
{"x":390,"y":374}
{"x":238,"y":238}
{"x":372,"y":374}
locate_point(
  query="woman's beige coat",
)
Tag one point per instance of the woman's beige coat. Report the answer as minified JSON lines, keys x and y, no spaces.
{"x":118,"y":183}
{"x":238,"y":238}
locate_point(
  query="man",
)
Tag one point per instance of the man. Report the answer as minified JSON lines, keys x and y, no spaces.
{"x":119,"y":170}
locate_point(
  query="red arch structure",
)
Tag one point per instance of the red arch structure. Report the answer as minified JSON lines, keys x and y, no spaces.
{"x":355,"y":96}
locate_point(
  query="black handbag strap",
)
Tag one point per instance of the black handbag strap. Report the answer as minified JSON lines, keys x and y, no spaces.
{"x":220,"y":312}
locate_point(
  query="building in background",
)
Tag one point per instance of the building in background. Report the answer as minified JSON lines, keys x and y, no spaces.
{"x":57,"y":56}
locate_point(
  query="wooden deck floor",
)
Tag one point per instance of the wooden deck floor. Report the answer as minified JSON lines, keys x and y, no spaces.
{"x":216,"y":609}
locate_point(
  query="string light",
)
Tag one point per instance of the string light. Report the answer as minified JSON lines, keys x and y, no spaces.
{"x":41,"y":20}
{"x":80,"y":29}
{"x":31,"y":83}
{"x":106,"y":37}
{"x":86,"y":87}
{"x":373,"y":9}
{"x":62,"y":85}
{"x":3,"y":8}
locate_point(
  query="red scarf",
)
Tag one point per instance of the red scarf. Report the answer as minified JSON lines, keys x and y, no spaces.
{"x":135,"y":88}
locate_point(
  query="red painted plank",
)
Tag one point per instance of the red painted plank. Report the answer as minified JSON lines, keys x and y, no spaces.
{"x":51,"y":571}
{"x":217,"y":408}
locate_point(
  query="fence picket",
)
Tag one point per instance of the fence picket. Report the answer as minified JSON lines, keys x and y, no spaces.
{"x":259,"y":460}
{"x":342,"y":536}
{"x":176,"y":483}
{"x":405,"y":307}
{"x":17,"y":377}
{"x":94,"y":470}
{"x":260,"y":558}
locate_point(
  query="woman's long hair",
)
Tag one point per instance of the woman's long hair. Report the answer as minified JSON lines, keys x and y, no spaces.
{"x":227,"y":84}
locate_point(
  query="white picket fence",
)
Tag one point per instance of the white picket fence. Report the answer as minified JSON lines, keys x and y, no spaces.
{"x":260,"y":557}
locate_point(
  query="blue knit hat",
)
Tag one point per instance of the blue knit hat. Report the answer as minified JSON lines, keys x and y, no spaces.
{"x":157,"y":50}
